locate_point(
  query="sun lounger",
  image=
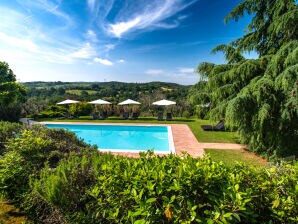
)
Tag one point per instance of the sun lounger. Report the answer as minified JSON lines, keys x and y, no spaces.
{"x":134,"y":116}
{"x":95,"y":115}
{"x":104,"y":115}
{"x":219,"y":127}
{"x":169,"y":117}
{"x":125,"y":115}
{"x":160,"y":116}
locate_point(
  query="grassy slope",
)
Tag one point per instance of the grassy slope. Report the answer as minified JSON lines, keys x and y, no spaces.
{"x":194,"y":124}
{"x":230,"y":156}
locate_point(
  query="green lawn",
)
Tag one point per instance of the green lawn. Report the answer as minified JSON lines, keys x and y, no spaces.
{"x":230,"y":156}
{"x":194,"y":124}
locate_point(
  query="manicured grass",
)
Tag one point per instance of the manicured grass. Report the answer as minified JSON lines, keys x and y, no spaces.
{"x":194,"y":124}
{"x":9,"y":214}
{"x":212,"y":136}
{"x":230,"y":156}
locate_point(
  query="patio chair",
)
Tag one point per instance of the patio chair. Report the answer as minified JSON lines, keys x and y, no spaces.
{"x":104,"y":115}
{"x":219,"y":127}
{"x":134,"y":116}
{"x":125,"y":115}
{"x":95,"y":115}
{"x":160,"y":116}
{"x":169,"y":117}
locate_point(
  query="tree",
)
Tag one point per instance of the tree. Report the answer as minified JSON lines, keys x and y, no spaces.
{"x":6,"y":74}
{"x":259,"y":96}
{"x":12,"y":94}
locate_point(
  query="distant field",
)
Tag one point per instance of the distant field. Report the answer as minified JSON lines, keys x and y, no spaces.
{"x":78,"y":92}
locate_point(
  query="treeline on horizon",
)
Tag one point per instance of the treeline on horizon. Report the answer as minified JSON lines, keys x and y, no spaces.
{"x":41,"y":95}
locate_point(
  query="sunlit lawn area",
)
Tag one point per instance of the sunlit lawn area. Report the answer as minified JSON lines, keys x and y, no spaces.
{"x":194,"y":124}
{"x":230,"y":156}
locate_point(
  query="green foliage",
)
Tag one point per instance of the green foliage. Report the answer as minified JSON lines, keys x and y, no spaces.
{"x":6,"y":74}
{"x":53,"y":111}
{"x":27,"y":154}
{"x":8,"y":130}
{"x":81,"y":109}
{"x":109,"y":189}
{"x":266,"y":110}
{"x":12,"y":94}
{"x":49,"y":93}
{"x":259,"y":96}
{"x":273,"y":24}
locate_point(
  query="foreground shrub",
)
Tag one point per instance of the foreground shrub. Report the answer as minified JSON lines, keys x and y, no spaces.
{"x":107,"y":189}
{"x":8,"y":130}
{"x":27,"y":154}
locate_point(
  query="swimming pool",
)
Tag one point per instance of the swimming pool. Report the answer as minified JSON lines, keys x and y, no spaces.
{"x":123,"y":138}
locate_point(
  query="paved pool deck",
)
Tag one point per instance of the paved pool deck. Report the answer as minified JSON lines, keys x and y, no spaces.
{"x":184,"y":139}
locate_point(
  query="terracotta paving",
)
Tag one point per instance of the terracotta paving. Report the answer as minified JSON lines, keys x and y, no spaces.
{"x":184,"y":140}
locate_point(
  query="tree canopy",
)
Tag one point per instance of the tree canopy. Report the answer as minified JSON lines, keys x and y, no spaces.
{"x":12,"y":94}
{"x":259,"y":96}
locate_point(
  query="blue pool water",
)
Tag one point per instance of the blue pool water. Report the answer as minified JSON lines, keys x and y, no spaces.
{"x":120,"y":137}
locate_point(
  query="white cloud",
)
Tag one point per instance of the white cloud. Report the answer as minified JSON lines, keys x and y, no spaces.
{"x":148,"y":16}
{"x":91,"y":4}
{"x":119,"y":28}
{"x":109,"y":47}
{"x":85,"y":52}
{"x":121,"y":61}
{"x":51,"y":7}
{"x":186,"y":70}
{"x":18,"y":42}
{"x":103,"y":61}
{"x":91,"y":36}
{"x":154,"y":71}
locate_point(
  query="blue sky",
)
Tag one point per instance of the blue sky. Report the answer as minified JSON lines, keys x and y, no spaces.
{"x":113,"y":40}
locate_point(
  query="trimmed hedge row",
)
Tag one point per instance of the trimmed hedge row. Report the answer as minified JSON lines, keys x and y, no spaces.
{"x":86,"y":186}
{"x":109,"y":189}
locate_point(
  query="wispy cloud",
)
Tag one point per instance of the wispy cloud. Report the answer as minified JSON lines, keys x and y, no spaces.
{"x":154,"y":71}
{"x":179,"y":72}
{"x":51,"y":7}
{"x":91,"y":4}
{"x":148,"y":16}
{"x":103,"y":61}
{"x":109,"y":47}
{"x":186,"y":70}
{"x":91,"y":36}
{"x":121,"y":61}
{"x":85,"y":52}
{"x":21,"y":34}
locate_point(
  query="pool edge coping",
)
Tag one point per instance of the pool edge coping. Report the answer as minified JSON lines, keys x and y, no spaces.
{"x":172,"y":149}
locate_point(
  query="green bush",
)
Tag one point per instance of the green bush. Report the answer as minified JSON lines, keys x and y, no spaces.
{"x":27,"y":154}
{"x":8,"y":130}
{"x":57,"y":178}
{"x":109,"y":189}
{"x":186,"y":114}
{"x":53,"y":111}
{"x":81,"y":109}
